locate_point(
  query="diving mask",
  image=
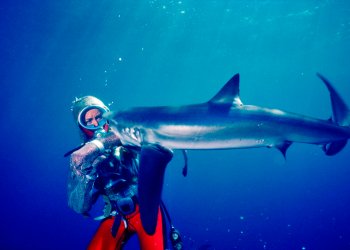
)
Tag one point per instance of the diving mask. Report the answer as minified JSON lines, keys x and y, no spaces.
{"x":91,"y":118}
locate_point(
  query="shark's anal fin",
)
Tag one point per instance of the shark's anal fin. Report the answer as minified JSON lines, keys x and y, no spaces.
{"x":153,"y":161}
{"x":284,"y":147}
{"x":229,"y":94}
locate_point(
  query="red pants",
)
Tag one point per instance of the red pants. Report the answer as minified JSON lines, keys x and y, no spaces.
{"x":103,"y":239}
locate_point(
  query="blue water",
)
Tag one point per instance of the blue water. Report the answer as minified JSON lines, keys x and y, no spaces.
{"x":145,"y":53}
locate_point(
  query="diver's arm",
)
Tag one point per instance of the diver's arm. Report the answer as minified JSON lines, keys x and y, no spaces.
{"x":80,"y":193}
{"x":84,"y":164}
{"x":81,"y":178}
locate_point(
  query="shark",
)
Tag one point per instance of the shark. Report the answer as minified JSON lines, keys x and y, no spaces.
{"x":224,"y":122}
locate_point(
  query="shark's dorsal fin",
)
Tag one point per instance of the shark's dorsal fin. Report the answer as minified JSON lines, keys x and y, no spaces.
{"x":229,"y":94}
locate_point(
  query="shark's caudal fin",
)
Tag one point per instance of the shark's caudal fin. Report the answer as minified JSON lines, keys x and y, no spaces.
{"x":341,"y":116}
{"x":341,"y":113}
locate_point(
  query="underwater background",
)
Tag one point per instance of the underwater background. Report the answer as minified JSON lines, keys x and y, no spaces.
{"x":146,"y":53}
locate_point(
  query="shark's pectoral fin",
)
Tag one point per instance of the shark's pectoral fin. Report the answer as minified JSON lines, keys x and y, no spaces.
{"x":153,"y":161}
{"x":334,"y":147}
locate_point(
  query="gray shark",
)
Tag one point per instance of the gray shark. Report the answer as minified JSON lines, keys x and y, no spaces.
{"x":222,"y":123}
{"x":225,"y":123}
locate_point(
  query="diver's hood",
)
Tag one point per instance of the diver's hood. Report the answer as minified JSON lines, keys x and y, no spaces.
{"x":81,"y":104}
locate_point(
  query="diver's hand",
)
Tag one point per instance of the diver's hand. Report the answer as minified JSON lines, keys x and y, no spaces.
{"x":109,"y":140}
{"x":85,"y":160}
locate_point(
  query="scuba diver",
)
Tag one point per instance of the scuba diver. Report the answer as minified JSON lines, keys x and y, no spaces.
{"x":102,"y":166}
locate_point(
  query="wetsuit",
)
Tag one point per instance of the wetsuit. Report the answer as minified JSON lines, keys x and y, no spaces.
{"x":115,"y":178}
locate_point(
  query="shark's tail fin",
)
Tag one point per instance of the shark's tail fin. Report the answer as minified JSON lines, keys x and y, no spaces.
{"x":341,"y":116}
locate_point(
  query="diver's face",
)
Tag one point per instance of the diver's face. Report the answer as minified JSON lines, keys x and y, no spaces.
{"x":93,"y":117}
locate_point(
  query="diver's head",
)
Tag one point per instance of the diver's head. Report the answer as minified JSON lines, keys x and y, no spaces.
{"x":91,"y":118}
{"x":88,"y":113}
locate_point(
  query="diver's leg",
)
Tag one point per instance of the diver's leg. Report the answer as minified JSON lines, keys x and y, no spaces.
{"x":103,"y":239}
{"x":155,"y":241}
{"x":153,"y":161}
